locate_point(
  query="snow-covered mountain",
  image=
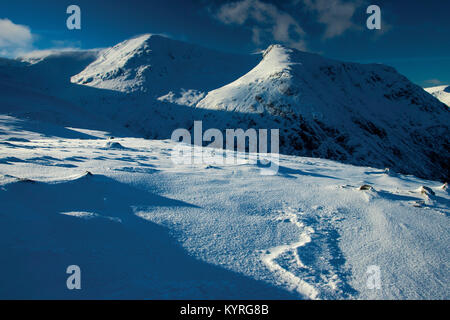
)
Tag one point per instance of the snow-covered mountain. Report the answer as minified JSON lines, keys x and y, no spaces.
{"x":161,"y":66}
{"x":37,"y":87}
{"x":440,"y":92}
{"x":354,"y":113}
{"x":360,"y":114}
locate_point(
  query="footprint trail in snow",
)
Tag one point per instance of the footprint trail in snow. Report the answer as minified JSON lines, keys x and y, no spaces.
{"x":270,"y":256}
{"x":313,"y":266}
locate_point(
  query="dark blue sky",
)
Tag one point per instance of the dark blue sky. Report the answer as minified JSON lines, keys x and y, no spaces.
{"x":414,"y":37}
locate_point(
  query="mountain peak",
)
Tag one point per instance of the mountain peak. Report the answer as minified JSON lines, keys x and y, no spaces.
{"x":152,"y":63}
{"x":355,"y":113}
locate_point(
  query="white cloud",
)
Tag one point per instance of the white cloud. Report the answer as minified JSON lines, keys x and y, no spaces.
{"x":15,"y":39}
{"x":234,"y":13}
{"x":336,"y":15}
{"x":270,"y":22}
{"x":66,"y":44}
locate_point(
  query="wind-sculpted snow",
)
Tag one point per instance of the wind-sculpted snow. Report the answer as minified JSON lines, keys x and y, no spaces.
{"x":140,"y":226}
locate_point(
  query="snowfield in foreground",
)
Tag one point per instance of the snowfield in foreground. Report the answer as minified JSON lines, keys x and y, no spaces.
{"x":141,"y":227}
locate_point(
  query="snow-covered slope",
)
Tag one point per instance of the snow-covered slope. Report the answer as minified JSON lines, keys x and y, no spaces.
{"x":440,"y":92}
{"x":359,"y":114}
{"x":141,"y":227}
{"x":163,"y":67}
{"x":47,"y":69}
{"x":37,"y":88}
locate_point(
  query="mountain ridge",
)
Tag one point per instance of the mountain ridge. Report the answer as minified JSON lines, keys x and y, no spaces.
{"x":344,"y":111}
{"x":153,"y":64}
{"x":359,"y":114}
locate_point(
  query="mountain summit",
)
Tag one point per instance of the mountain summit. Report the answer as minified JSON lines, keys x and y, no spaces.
{"x":158,"y":65}
{"x":360,"y":114}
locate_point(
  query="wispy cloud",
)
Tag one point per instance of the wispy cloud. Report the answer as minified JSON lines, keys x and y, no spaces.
{"x":336,"y":15}
{"x":434,"y":82}
{"x":15,"y":39}
{"x":66,"y":44}
{"x":268,"y":22}
{"x":265,"y":20}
